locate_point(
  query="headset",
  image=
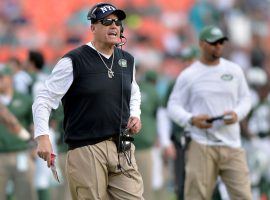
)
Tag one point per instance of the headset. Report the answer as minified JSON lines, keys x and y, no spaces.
{"x":122,"y":32}
{"x":120,"y":44}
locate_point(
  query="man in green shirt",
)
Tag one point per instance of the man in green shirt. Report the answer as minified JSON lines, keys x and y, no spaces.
{"x":145,"y":141}
{"x":16,"y":162}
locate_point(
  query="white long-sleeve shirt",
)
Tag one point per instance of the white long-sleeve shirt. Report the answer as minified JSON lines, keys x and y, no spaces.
{"x":164,"y":127}
{"x":211,"y":90}
{"x":56,"y":86}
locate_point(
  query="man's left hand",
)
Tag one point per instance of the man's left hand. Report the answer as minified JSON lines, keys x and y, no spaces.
{"x":230,"y":117}
{"x":134,"y":125}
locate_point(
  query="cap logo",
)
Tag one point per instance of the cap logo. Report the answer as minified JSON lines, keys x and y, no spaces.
{"x":216,"y":31}
{"x":107,"y":8}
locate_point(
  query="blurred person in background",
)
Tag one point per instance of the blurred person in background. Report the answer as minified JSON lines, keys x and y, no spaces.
{"x":22,"y":81}
{"x":256,"y":131}
{"x":35,"y":63}
{"x":101,"y":99}
{"x":212,"y":87}
{"x":35,"y":66}
{"x":145,"y":141}
{"x":171,"y":136}
{"x":257,"y":54}
{"x":16,"y":163}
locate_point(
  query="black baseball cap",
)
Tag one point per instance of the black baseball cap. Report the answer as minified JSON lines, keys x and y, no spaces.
{"x":102,"y":10}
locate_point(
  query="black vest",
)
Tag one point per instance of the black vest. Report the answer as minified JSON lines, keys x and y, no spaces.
{"x":95,"y":104}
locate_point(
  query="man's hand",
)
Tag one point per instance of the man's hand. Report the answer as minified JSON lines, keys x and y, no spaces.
{"x":134,"y":125}
{"x":200,"y":121}
{"x":230,"y":117}
{"x":9,"y":120}
{"x":44,"y":148}
{"x":170,"y":152}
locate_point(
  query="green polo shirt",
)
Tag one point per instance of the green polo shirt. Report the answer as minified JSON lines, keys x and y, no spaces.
{"x":20,"y":106}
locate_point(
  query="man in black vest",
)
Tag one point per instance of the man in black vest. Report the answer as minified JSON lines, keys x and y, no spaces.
{"x":101,"y":101}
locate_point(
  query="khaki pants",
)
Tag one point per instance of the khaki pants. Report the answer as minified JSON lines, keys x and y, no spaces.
{"x":92,"y":173}
{"x":205,"y":163}
{"x":18,"y":167}
{"x":144,"y":160}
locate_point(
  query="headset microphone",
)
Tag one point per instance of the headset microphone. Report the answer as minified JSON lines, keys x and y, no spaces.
{"x":120,"y":44}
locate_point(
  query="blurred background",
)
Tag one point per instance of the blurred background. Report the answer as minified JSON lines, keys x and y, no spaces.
{"x":162,"y":36}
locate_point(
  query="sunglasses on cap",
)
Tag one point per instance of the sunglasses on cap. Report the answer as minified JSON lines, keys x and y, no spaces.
{"x":216,"y":43}
{"x":108,"y":22}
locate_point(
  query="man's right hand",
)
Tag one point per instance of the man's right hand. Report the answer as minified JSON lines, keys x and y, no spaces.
{"x":200,"y":121}
{"x":44,"y":148}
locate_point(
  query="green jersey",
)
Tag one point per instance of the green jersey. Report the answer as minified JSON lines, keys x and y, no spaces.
{"x":20,"y":106}
{"x":150,"y":102}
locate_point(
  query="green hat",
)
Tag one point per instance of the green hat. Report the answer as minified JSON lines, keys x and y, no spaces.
{"x":212,"y":34}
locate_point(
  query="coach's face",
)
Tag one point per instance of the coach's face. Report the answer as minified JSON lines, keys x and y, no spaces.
{"x":107,"y":30}
{"x":212,"y":51}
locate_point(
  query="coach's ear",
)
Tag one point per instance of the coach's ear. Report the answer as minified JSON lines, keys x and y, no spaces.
{"x":93,"y":28}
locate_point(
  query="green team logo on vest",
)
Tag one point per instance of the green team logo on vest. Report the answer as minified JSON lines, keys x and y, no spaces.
{"x":227,"y":77}
{"x":122,"y":62}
